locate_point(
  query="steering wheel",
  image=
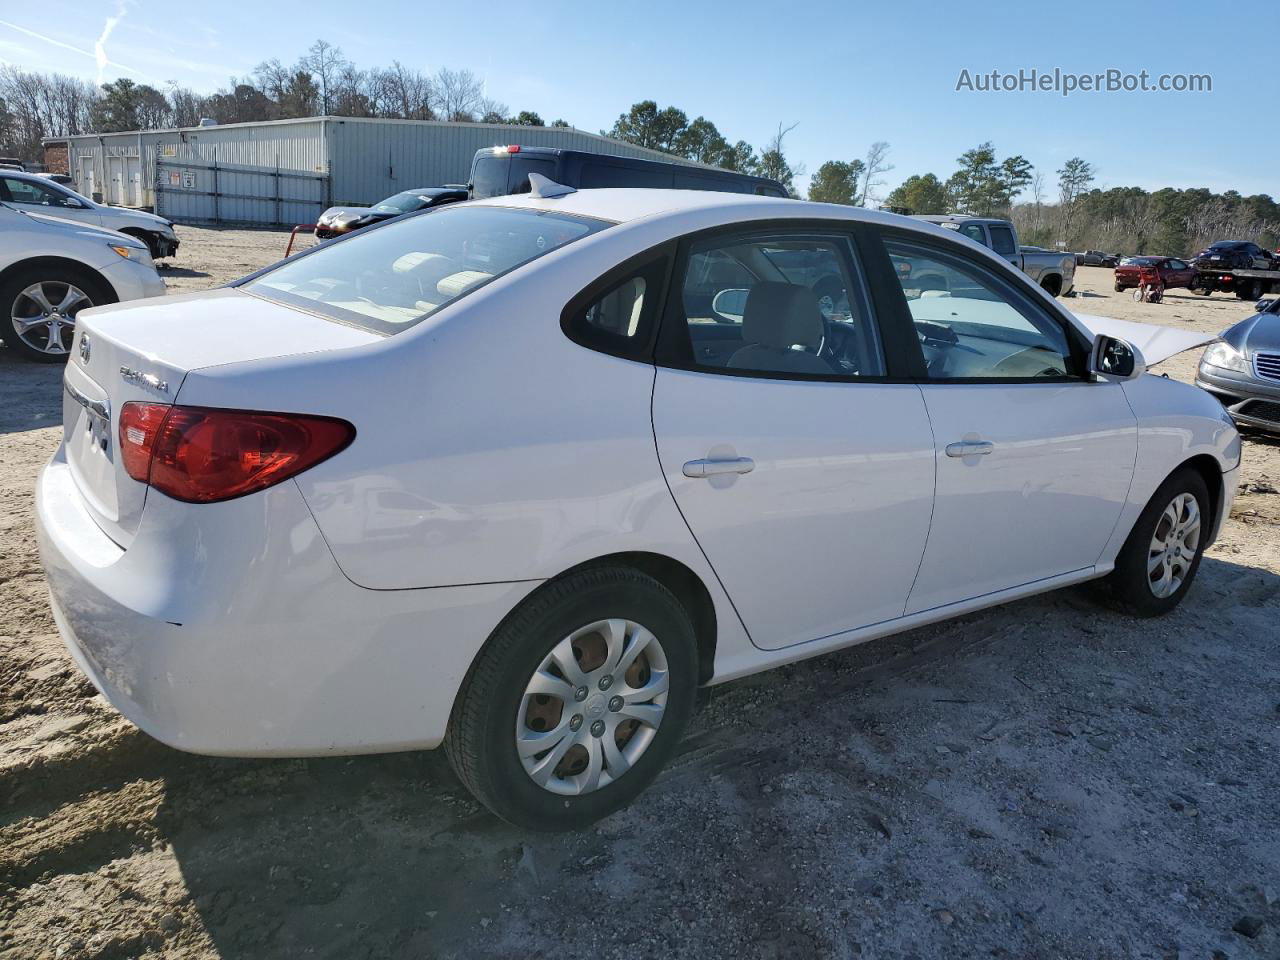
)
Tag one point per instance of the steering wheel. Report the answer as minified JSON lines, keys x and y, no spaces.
{"x":840,"y":346}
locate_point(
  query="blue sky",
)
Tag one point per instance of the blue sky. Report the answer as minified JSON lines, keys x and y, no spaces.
{"x":846,"y":74}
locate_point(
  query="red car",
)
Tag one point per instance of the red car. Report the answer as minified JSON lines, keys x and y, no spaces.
{"x":1174,"y":273}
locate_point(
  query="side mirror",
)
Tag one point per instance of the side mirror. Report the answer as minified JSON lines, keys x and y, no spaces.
{"x":1115,"y":359}
{"x":728,"y":306}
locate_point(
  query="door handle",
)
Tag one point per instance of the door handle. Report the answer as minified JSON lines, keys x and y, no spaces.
{"x":714,"y":468}
{"x":970,"y":448}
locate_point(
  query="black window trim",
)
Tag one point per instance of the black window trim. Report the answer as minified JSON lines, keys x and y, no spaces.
{"x":674,"y":349}
{"x":654,"y":264}
{"x":1013,"y":281}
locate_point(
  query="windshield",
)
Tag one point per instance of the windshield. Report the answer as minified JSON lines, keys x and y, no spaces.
{"x":1139,"y":261}
{"x":388,"y":279}
{"x":402,"y":203}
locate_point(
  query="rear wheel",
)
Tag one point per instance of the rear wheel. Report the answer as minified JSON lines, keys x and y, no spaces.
{"x":1119,"y":289}
{"x":40,"y":305}
{"x":1155,"y":567}
{"x":1052,"y":285}
{"x":577,"y":701}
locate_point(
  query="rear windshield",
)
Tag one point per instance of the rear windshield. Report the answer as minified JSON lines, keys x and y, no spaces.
{"x":1139,"y":261}
{"x":388,"y":279}
{"x":489,"y":177}
{"x":401,"y":203}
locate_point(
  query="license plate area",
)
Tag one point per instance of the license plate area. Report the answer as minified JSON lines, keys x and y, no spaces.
{"x":90,"y":444}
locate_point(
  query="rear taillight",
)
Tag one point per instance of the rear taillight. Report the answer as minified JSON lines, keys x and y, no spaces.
{"x":202,"y":454}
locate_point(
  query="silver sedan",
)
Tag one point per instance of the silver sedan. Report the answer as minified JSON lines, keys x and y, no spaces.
{"x":1243,"y":369}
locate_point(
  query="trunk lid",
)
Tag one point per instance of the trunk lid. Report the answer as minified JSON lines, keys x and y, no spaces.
{"x":142,"y":351}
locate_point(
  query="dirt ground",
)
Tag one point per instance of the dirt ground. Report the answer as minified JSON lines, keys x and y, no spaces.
{"x":1042,"y":780}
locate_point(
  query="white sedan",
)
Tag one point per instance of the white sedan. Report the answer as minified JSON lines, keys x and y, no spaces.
{"x":518,"y":476}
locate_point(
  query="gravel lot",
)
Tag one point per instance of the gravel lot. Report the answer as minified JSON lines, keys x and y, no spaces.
{"x":1045,"y":779}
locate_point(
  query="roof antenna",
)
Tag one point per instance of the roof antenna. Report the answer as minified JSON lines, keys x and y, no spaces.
{"x":546,"y":188}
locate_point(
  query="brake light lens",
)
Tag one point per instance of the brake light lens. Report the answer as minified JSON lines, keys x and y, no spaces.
{"x":204,"y":454}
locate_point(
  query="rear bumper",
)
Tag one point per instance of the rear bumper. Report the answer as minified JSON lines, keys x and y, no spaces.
{"x":228,"y":629}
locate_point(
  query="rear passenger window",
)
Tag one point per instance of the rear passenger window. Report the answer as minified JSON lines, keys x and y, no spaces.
{"x":778,"y":305}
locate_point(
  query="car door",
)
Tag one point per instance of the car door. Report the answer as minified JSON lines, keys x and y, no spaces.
{"x":1033,"y":458}
{"x":1179,"y":273}
{"x":27,"y":194}
{"x":803,"y":470}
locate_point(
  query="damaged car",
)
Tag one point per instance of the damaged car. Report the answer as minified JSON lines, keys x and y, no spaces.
{"x":337,"y":221}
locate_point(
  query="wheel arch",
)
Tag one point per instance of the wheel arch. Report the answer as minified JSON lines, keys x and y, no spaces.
{"x":681,"y":581}
{"x":1051,"y":282}
{"x":66,"y":263}
{"x":686,"y":585}
{"x":1211,"y":472}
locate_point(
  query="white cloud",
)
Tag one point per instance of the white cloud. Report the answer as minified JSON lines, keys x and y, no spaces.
{"x":100,"y":45}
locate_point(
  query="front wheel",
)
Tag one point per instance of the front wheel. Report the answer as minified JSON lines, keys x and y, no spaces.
{"x":1157,"y":563}
{"x":40,"y":306}
{"x":577,"y":701}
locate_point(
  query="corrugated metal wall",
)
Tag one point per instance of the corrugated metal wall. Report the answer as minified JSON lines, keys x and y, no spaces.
{"x":360,"y":161}
{"x":101,"y":164}
{"x":372,"y":159}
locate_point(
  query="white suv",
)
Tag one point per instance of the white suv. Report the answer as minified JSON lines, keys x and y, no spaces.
{"x":52,"y":269}
{"x":37,"y":194}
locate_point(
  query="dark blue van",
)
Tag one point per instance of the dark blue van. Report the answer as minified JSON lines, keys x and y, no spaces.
{"x":499,"y":171}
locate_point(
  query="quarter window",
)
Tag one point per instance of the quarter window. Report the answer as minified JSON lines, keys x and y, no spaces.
{"x":973,"y":325}
{"x":778,"y":305}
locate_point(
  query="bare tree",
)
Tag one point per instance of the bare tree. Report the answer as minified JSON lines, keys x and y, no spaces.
{"x":408,"y":93}
{"x":876,"y":164}
{"x":39,"y":105}
{"x":326,"y":64}
{"x":459,"y":95}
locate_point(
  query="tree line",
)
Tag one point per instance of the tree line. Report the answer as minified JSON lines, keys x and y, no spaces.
{"x":35,"y":106}
{"x":1067,"y":209}
{"x":1048,"y":208}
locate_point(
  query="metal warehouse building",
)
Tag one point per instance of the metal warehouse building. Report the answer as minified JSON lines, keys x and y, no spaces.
{"x":288,"y":171}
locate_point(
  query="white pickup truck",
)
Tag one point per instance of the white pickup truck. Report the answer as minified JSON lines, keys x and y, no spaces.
{"x":1055,"y":272}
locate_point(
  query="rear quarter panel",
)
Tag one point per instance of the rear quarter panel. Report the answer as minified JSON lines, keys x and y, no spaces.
{"x":489,"y":447}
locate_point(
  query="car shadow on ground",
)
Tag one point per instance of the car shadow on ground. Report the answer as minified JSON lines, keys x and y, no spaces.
{"x":30,"y":393}
{"x":166,"y":270}
{"x":389,"y":856}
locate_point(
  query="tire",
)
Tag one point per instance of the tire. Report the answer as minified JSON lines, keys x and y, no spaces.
{"x":1119,"y":289}
{"x":1052,"y":285}
{"x":36,"y":342}
{"x":496,"y":703}
{"x":1129,"y":586}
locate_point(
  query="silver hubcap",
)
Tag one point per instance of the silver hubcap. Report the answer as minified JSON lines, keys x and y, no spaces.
{"x":1174,"y":545}
{"x":44,"y":315}
{"x":592,"y":707}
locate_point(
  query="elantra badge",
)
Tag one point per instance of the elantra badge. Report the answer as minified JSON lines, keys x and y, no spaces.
{"x":149,"y":380}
